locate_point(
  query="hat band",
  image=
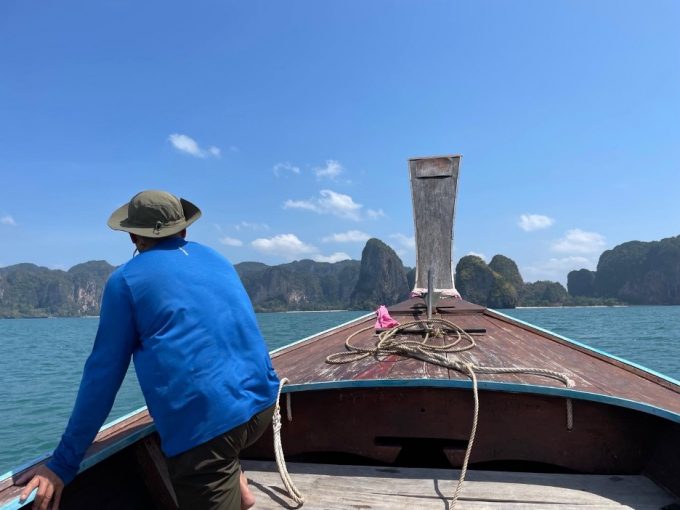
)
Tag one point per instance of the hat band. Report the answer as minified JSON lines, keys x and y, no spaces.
{"x":172,"y":223}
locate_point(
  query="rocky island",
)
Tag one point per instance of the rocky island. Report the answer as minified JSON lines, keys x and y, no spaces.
{"x":632,"y":273}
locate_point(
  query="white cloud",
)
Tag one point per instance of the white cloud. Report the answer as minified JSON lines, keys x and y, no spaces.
{"x":556,"y":269}
{"x":374,"y":215}
{"x":188,"y":145}
{"x":529,"y":222}
{"x":8,"y":220}
{"x":285,"y":167}
{"x":351,"y":236}
{"x":579,"y":241}
{"x":332,"y":169}
{"x":336,"y":257}
{"x":287,"y":246}
{"x":405,"y":241}
{"x":330,"y":202}
{"x":230,"y":241}
{"x":246,"y":225}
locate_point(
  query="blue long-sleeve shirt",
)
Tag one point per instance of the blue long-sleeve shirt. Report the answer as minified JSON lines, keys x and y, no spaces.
{"x":180,"y":311}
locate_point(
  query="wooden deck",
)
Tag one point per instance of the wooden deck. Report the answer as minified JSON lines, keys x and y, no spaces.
{"x":332,"y":487}
{"x":505,"y":343}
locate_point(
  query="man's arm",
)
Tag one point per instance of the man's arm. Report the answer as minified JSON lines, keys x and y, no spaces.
{"x":103,"y":374}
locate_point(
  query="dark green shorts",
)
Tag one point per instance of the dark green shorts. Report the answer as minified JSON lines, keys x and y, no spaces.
{"x":207,"y":476}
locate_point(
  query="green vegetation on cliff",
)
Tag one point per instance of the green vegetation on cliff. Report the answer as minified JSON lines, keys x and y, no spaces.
{"x":382,"y":278}
{"x":641,"y":273}
{"x":478,"y":283}
{"x":499,"y":285}
{"x":27,"y":290}
{"x":634,"y":272}
{"x":299,"y":285}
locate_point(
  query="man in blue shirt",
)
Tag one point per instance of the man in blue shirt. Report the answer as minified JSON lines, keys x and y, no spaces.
{"x":180,"y":311}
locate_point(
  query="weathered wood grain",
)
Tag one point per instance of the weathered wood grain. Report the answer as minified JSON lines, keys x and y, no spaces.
{"x":506,"y":343}
{"x":434,"y":182}
{"x":430,"y":427}
{"x":342,"y":487}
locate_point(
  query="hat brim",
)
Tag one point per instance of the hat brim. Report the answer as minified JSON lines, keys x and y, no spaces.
{"x":119,"y":218}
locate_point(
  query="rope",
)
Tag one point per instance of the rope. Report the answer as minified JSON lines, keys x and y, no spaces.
{"x":473,"y":433}
{"x":388,"y":345}
{"x":293,"y":491}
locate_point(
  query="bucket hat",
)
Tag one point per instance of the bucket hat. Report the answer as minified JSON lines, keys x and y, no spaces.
{"x":154,"y":214}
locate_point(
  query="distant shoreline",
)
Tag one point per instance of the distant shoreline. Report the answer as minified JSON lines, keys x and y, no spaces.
{"x":310,"y":311}
{"x":575,"y":306}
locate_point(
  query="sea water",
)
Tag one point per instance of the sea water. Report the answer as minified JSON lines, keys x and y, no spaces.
{"x":41,"y":360}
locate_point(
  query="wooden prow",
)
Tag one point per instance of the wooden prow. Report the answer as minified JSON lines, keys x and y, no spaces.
{"x":434,"y":182}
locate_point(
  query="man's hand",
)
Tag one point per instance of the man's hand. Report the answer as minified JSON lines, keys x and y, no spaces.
{"x":49,"y":487}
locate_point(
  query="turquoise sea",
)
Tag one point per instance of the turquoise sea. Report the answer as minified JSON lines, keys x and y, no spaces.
{"x":41,"y":360}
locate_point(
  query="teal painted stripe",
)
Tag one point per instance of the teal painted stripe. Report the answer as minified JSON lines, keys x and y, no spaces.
{"x":488,"y":385}
{"x":46,"y":456}
{"x":24,"y":466}
{"x":116,"y":447}
{"x":358,"y":319}
{"x":122,"y":418}
{"x":89,"y":461}
{"x":588,"y":347}
{"x":14,"y":503}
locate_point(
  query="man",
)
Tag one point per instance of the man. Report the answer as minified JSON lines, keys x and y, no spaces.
{"x":180,"y":311}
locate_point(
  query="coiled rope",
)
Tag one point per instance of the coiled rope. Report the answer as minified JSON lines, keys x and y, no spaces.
{"x":390,"y":344}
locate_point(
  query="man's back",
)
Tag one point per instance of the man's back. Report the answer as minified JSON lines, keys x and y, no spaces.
{"x":200,"y":356}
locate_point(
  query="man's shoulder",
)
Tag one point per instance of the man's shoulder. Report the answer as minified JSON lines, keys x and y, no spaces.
{"x":117,"y":276}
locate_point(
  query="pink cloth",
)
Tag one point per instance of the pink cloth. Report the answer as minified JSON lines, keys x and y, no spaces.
{"x":384,"y":320}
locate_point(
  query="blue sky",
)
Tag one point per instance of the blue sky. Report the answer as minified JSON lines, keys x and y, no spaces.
{"x":290,"y":124}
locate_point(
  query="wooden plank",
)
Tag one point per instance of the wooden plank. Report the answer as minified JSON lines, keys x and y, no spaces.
{"x":506,"y":343}
{"x":609,"y":376}
{"x":109,"y":441}
{"x":589,"y":351}
{"x":434,"y":182}
{"x":340,"y":487}
{"x":427,"y":426}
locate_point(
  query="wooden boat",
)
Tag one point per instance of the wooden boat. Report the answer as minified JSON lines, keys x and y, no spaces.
{"x":558,"y":424}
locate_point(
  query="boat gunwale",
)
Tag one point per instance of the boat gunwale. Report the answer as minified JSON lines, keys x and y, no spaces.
{"x":496,"y":386}
{"x":127,"y":438}
{"x":637,"y":369}
{"x":318,"y":336}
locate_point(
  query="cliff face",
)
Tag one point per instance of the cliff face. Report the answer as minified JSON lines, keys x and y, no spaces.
{"x":641,"y":272}
{"x":27,"y":290}
{"x":300,"y":285}
{"x":382,"y":278}
{"x":500,"y":285}
{"x":478,"y":283}
{"x":635,"y":272}
{"x":544,"y":293}
{"x":507,"y":268}
{"x":580,"y":283}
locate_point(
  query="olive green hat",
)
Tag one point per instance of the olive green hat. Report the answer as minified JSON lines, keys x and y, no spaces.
{"x":154,"y":214}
